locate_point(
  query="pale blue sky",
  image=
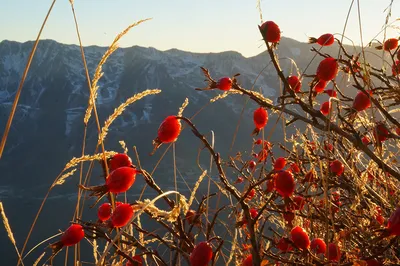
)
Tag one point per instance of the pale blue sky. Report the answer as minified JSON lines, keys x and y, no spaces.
{"x":191,"y":25}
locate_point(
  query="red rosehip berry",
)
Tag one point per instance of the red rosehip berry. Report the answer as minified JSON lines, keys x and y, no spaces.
{"x":298,"y":203}
{"x":323,"y":40}
{"x":289,"y":217}
{"x":294,"y":83}
{"x":390,"y":44}
{"x":320,"y":86}
{"x":294,"y":168}
{"x":284,"y":245}
{"x":318,"y":246}
{"x":327,"y":69}
{"x":260,"y":118}
{"x":262,"y":155}
{"x":331,"y":92}
{"x":169,"y":130}
{"x":393,"y":225}
{"x":284,"y":183}
{"x":361,"y":101}
{"x":224,"y":84}
{"x":271,"y":31}
{"x":104,"y":212}
{"x":251,"y":194}
{"x":333,"y":252}
{"x":279,"y":163}
{"x":122,"y":215}
{"x":119,"y":160}
{"x":336,"y":167}
{"x":137,"y":259}
{"x":366,"y":140}
{"x":325,"y":108}
{"x":73,"y":235}
{"x":381,"y":132}
{"x":270,"y":185}
{"x":300,"y":238}
{"x":373,"y":262}
{"x":258,"y":142}
{"x":248,"y":261}
{"x":252,"y":165}
{"x":201,"y":254}
{"x":190,"y":215}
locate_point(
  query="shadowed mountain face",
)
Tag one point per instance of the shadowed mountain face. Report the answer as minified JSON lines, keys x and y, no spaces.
{"x":47,"y":130}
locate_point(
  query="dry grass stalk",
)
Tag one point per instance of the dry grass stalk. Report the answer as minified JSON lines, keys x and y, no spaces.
{"x":196,"y":186}
{"x":118,"y":111}
{"x":184,"y":104}
{"x":95,"y":250}
{"x":224,"y":95}
{"x":123,"y":145}
{"x":99,"y":156}
{"x":98,"y":73}
{"x":8,"y":229}
{"x":38,"y":259}
{"x":170,"y":216}
{"x":62,"y":179}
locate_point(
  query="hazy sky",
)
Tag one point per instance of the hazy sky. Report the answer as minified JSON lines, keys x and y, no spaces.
{"x":191,"y":25}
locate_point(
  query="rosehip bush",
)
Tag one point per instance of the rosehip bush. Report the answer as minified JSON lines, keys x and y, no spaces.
{"x":328,"y":193}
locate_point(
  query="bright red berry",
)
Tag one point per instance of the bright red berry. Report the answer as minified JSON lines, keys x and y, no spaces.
{"x":122,"y":215}
{"x":310,"y":176}
{"x":253,"y":213}
{"x":320,"y":86}
{"x":380,"y":219}
{"x":328,"y":147}
{"x":361,"y":101}
{"x":284,"y":245}
{"x":393,"y":225}
{"x":390,"y":44}
{"x":104,"y":212}
{"x":190,"y":215}
{"x":373,"y":262}
{"x":137,"y":259}
{"x":300,"y":238}
{"x":251,"y":194}
{"x":294,"y":168}
{"x":298,"y":203}
{"x":396,"y":68}
{"x":271,"y":31}
{"x":336,"y":167}
{"x":331,"y":92}
{"x":262,"y":155}
{"x":333,"y":252}
{"x":258,"y":142}
{"x":318,"y":246}
{"x":239,"y":180}
{"x":248,"y":261}
{"x":289,"y":217}
{"x":381,"y":132}
{"x":119,"y":160}
{"x":279,"y":163}
{"x":73,"y":235}
{"x":270,"y":185}
{"x":366,"y":140}
{"x":294,"y":83}
{"x":325,"y":108}
{"x":323,"y":40}
{"x":201,"y":254}
{"x":327,"y":69}
{"x":284,"y":183}
{"x":252,"y":165}
{"x":260,"y":118}
{"x":224,"y":84}
{"x":121,"y":179}
{"x":169,"y":130}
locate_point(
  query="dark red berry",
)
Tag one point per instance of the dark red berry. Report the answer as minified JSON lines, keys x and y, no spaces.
{"x":201,"y":254}
{"x":284,"y":245}
{"x":333,"y":252}
{"x":390,"y":44}
{"x":320,"y":86}
{"x":294,"y":168}
{"x":260,"y":118}
{"x":361,"y":101}
{"x":248,"y":261}
{"x":73,"y":235}
{"x":336,"y":167}
{"x":284,"y":183}
{"x":137,"y":259}
{"x":325,"y":108}
{"x":331,"y":92}
{"x":318,"y":246}
{"x":393,"y":225}
{"x":121,"y":179}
